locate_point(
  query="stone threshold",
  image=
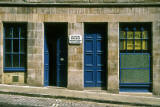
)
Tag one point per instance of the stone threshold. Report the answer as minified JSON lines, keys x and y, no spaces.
{"x":35,"y":4}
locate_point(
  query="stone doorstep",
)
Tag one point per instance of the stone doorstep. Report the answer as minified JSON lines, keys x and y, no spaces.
{"x":87,"y":95}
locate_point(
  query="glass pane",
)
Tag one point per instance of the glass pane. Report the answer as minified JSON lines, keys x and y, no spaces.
{"x":22,"y":45}
{"x":23,"y":60}
{"x":135,"y":60}
{"x":8,"y":60}
{"x":130,"y":44}
{"x":144,"y":45}
{"x":130,"y":34}
{"x":137,"y":44}
{"x":16,"y":45}
{"x":8,"y":45}
{"x":16,"y":32}
{"x":22,"y":33}
{"x":16,"y":60}
{"x":122,"y":44}
{"x":122,"y":34}
{"x":8,"y":32}
{"x":137,"y":35}
{"x":145,"y":34}
{"x":134,"y":76}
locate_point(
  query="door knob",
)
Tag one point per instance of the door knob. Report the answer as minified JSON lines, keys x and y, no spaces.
{"x":61,"y":59}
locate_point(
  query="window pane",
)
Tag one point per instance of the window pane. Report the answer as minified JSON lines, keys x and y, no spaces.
{"x":16,"y":60}
{"x":122,"y":34}
{"x":130,"y":45}
{"x":122,"y":45}
{"x":23,"y":60}
{"x":8,"y":60}
{"x":137,"y":35}
{"x":16,"y":45}
{"x":8,"y":32}
{"x":16,"y":32}
{"x":8,"y":45}
{"x":144,"y":45}
{"x":22,"y":45}
{"x":144,"y":34}
{"x":130,"y":34}
{"x":22,"y":33}
{"x":137,"y":44}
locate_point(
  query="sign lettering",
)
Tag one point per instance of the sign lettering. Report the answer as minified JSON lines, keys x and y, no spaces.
{"x":75,"y":39}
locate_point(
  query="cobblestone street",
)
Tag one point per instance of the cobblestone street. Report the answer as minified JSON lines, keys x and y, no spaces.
{"x":25,"y":101}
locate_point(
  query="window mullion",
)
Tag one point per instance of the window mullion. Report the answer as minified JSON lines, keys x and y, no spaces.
{"x":134,"y":30}
{"x":12,"y":46}
{"x":142,"y":39}
{"x":126,"y":37}
{"x":19,"y":32}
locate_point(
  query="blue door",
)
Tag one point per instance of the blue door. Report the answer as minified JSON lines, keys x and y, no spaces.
{"x":55,"y":59}
{"x":94,"y":60}
{"x":46,"y":63}
{"x":61,"y":61}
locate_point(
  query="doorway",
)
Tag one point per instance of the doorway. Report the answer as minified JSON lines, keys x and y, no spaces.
{"x":55,"y":54}
{"x":95,"y":55}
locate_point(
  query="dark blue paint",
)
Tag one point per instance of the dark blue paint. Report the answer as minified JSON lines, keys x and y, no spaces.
{"x":46,"y":62}
{"x":61,"y":62}
{"x":134,"y":89}
{"x":61,"y":67}
{"x":14,"y":69}
{"x":94,"y":60}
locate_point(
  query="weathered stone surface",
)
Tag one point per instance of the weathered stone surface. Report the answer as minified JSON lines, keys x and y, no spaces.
{"x":156,"y":58}
{"x":75,"y":61}
{"x":9,"y":78}
{"x":1,"y":52}
{"x":81,"y":1}
{"x":35,"y":54}
{"x":113,"y":59}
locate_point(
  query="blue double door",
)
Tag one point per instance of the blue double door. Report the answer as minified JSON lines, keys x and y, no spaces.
{"x":55,"y":55}
{"x":95,"y":56}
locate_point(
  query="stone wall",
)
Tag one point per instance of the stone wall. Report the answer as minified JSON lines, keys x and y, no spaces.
{"x":35,"y":44}
{"x":81,"y":1}
{"x":1,"y":52}
{"x":75,"y":59}
{"x":15,"y":78}
{"x":75,"y":17}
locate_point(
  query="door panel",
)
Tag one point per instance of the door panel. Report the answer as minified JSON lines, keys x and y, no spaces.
{"x":46,"y":63}
{"x":61,"y":61}
{"x":94,"y":69}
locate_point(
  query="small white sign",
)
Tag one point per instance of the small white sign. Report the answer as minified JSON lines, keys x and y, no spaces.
{"x":75,"y":39}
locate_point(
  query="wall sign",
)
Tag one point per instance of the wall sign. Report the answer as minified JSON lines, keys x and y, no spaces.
{"x":75,"y":39}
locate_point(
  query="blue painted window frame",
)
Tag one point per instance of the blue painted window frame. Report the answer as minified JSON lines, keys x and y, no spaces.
{"x":134,"y":28}
{"x":21,"y":37}
{"x":124,"y":26}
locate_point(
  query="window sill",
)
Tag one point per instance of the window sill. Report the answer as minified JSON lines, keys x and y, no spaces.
{"x":14,"y":69}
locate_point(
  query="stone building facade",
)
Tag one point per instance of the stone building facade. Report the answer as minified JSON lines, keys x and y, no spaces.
{"x":73,"y":17}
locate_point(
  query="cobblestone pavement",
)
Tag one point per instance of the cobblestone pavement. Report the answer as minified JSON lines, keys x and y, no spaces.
{"x":25,"y":101}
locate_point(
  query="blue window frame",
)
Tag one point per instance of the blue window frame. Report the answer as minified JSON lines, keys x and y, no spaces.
{"x":135,"y":56}
{"x":135,"y":38}
{"x":15,"y":46}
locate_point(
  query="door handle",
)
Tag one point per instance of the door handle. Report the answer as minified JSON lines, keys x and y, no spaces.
{"x":61,"y":59}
